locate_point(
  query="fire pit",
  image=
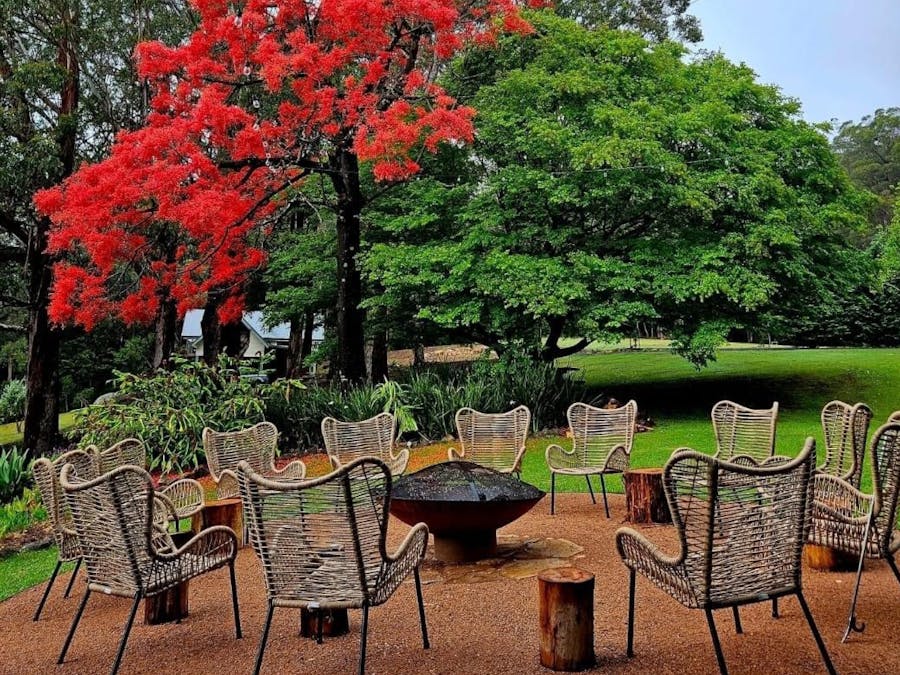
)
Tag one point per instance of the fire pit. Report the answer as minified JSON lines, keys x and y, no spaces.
{"x":463,"y":504}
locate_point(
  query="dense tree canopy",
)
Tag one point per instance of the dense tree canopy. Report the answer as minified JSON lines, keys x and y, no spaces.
{"x":657,"y":20}
{"x":612,"y":182}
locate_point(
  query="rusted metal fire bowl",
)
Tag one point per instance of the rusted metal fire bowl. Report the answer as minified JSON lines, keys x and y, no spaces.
{"x":463,"y":504}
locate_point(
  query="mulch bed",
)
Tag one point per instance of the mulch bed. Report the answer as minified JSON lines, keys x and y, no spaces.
{"x":36,"y":535}
{"x":486,"y":627}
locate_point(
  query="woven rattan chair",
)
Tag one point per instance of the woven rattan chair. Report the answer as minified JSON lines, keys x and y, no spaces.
{"x":744,"y":432}
{"x":374,"y":437}
{"x":255,"y":445}
{"x":848,"y":520}
{"x":601,"y":444}
{"x":185,"y":494}
{"x":322,"y":543}
{"x":895,"y":416}
{"x":845,"y":428}
{"x":493,"y":440}
{"x":46,"y":475}
{"x":742,"y":530}
{"x":126,"y":546}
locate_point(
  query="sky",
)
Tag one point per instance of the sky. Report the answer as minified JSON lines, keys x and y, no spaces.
{"x":840,"y":58}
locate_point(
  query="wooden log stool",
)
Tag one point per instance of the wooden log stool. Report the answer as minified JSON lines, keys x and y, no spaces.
{"x":334,"y":622}
{"x":221,"y":512}
{"x":172,"y":604}
{"x":645,"y":498}
{"x":567,"y":618}
{"x":827,"y":559}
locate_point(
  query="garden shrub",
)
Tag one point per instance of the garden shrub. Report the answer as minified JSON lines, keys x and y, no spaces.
{"x":12,"y":402}
{"x":21,"y":512}
{"x":169,"y":409}
{"x":15,"y":473}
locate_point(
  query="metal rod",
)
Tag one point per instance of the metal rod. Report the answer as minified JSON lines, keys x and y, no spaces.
{"x":425,"y":643}
{"x":124,"y":640}
{"x":854,"y":626}
{"x":720,"y":657}
{"x":72,"y":578}
{"x":815,"y":631}
{"x":40,"y":607}
{"x":62,"y":654}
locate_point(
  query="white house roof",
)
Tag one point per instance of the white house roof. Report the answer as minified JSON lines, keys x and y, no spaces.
{"x":253,"y":320}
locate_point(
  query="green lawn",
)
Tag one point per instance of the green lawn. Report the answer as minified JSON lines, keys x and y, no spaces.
{"x":12,"y":432}
{"x":27,"y":569}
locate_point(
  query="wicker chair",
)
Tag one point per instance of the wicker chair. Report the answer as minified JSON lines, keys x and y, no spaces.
{"x":185,"y":494}
{"x":127,"y":549}
{"x":374,"y":437}
{"x":744,"y":432}
{"x":601,"y":444}
{"x":742,"y":530}
{"x":846,"y":519}
{"x":493,"y":440}
{"x":845,"y":428}
{"x":322,"y":543}
{"x":46,"y":475}
{"x":255,"y":445}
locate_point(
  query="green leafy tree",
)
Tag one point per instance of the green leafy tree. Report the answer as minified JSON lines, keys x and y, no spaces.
{"x":613,"y":183}
{"x":656,"y":20}
{"x":870,"y":151}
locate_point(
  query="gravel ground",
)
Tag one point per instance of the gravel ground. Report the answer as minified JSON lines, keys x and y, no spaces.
{"x":488,"y":627}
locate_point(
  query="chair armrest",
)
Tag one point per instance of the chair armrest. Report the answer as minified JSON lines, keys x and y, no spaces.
{"x":667,"y":572}
{"x":334,"y":462}
{"x":186,"y":496}
{"x":558,"y":457}
{"x":834,"y":497}
{"x":295,"y":470}
{"x":218,"y":539}
{"x":399,"y":461}
{"x":227,"y":485}
{"x":517,"y":463}
{"x":617,"y":459}
{"x":453,"y":454}
{"x":412,"y":547}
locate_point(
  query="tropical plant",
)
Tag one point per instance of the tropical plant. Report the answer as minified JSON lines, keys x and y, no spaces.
{"x":21,"y":512}
{"x":12,"y":402}
{"x":15,"y":472}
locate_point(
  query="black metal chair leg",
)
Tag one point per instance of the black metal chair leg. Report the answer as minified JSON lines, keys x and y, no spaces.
{"x":603,"y":487}
{"x":234,"y":603}
{"x":552,"y":493}
{"x":425,"y":643}
{"x":363,"y":635}
{"x":815,"y":631}
{"x":62,"y":654}
{"x":720,"y":657}
{"x":630,"y":648}
{"x":263,"y":640}
{"x":590,"y":489}
{"x":737,"y":620}
{"x":40,"y":607}
{"x":319,"y":626}
{"x":125,"y":634}
{"x":72,"y":578}
{"x":775,"y":608}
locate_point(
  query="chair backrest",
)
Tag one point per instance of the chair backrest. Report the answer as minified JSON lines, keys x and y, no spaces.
{"x":130,"y":451}
{"x":493,"y":440}
{"x":255,"y":445}
{"x":346,"y":441}
{"x":46,"y":475}
{"x":742,"y":528}
{"x":113,"y":517}
{"x":597,"y":431}
{"x":744,"y":431}
{"x":845,"y":428}
{"x":320,"y":540}
{"x":885,"y":455}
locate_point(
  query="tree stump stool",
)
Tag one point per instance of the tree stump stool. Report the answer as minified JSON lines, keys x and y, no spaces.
{"x":170,"y":605}
{"x":334,"y":622}
{"x":221,"y":512}
{"x":566,"y":618}
{"x":827,"y":559}
{"x":645,"y":498}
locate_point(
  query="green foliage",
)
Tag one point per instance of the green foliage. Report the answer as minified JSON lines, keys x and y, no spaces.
{"x":614,"y":182}
{"x":169,"y":409}
{"x":12,"y":402}
{"x":20,"y":512}
{"x":15,"y":353}
{"x":15,"y":472}
{"x":656,"y":20}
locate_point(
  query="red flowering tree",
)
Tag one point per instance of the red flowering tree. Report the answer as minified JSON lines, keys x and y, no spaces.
{"x":263,"y":94}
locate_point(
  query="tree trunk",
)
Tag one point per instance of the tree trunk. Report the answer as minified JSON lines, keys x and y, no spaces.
{"x":350,"y":361}
{"x":212,"y":330}
{"x":234,"y":341}
{"x":645,"y":496}
{"x":294,"y":364}
{"x":379,"y":370}
{"x":166,"y":323}
{"x":42,"y":377}
{"x":566,"y":597}
{"x":309,"y":325}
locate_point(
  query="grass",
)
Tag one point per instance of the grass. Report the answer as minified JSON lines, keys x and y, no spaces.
{"x":28,"y":569}
{"x":12,"y":433}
